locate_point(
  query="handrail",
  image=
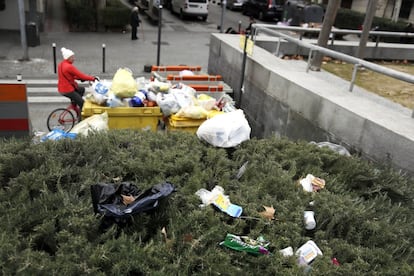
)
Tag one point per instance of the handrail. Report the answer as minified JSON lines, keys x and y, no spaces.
{"x":302,"y":30}
{"x":266,"y":28}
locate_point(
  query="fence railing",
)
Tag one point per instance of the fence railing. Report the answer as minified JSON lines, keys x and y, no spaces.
{"x":274,"y":30}
{"x":301,"y":31}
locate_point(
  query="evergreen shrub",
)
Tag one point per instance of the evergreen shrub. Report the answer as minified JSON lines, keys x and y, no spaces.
{"x":349,"y":19}
{"x":47,"y":226}
{"x":81,"y":15}
{"x":115,"y":17}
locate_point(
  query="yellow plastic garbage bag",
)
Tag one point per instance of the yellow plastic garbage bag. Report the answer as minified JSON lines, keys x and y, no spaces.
{"x":123,"y":84}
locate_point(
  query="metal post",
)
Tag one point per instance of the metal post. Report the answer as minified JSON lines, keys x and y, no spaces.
{"x":332,"y":35}
{"x":240,"y":26}
{"x":54,"y":57}
{"x":354,"y":73}
{"x":243,"y":70}
{"x":309,"y":60}
{"x":103,"y":57}
{"x":278,"y":46}
{"x":377,"y":40}
{"x":223,"y":8}
{"x":159,"y":33}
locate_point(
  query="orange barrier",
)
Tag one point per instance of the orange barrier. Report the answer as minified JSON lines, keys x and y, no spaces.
{"x":175,"y":68}
{"x":14,"y":111}
{"x":207,"y":88}
{"x":194,"y":78}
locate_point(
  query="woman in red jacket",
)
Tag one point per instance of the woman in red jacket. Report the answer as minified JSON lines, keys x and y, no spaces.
{"x":67,"y":76}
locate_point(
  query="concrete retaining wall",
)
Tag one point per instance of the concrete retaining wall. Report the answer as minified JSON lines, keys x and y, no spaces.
{"x":280,"y":98}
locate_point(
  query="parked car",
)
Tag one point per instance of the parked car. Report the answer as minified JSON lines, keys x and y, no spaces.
{"x":234,"y":4}
{"x":190,"y":8}
{"x":264,"y":9}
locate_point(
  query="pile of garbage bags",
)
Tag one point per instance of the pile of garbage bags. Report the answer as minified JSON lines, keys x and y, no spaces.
{"x":224,"y":125}
{"x":221,"y":123}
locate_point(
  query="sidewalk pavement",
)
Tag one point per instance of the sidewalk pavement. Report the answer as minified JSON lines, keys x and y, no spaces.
{"x":180,"y":44}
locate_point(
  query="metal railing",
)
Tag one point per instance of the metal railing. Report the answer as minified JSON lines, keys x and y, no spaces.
{"x":357,"y":62}
{"x":301,"y":31}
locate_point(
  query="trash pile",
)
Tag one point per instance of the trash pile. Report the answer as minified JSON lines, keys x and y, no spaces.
{"x":215,"y":120}
{"x":305,"y":253}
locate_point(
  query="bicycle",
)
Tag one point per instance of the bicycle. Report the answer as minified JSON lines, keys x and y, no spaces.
{"x":64,"y":118}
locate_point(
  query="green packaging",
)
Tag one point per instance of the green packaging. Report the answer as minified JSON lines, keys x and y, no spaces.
{"x":244,"y":243}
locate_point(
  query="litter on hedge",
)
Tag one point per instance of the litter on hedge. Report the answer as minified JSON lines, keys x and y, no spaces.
{"x":219,"y":200}
{"x":126,"y":199}
{"x":257,"y":246}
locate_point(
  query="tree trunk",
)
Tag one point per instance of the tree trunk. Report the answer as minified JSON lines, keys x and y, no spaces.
{"x":23,"y":36}
{"x":396,"y":10}
{"x":328,"y":21}
{"x":369,"y":16}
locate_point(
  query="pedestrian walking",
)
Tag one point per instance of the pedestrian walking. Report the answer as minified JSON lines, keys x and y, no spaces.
{"x":134,"y":23}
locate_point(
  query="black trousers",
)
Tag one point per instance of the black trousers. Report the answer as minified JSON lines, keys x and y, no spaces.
{"x":134,"y":33}
{"x":76,"y":96}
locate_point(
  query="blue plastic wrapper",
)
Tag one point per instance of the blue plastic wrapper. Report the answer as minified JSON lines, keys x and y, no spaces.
{"x":136,"y":102}
{"x":101,"y":89}
{"x":58,"y":134}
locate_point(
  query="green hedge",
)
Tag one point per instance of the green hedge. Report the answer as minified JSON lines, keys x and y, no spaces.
{"x":81,"y":15}
{"x":364,"y":214}
{"x":348,"y":19}
{"x":115,"y":16}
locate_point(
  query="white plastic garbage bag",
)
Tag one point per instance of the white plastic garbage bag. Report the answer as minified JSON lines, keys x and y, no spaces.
{"x":177,"y":98}
{"x":96,"y":122}
{"x":225,"y":130}
{"x":335,"y":147}
{"x":167,"y":103}
{"x":186,"y":73}
{"x":100,"y":91}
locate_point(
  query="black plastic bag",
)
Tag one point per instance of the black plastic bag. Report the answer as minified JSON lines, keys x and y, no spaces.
{"x":107,"y":199}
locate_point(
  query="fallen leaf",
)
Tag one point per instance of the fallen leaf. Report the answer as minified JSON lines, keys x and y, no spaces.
{"x":188,"y":238}
{"x":268,"y":213}
{"x":127,"y":199}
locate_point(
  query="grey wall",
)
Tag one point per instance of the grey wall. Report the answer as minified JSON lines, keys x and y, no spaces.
{"x":280,"y":98}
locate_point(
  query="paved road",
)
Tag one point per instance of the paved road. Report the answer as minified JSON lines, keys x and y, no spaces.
{"x":182,"y":42}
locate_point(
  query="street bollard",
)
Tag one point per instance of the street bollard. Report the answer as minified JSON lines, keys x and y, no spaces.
{"x":240,"y":26}
{"x":103,"y":58}
{"x":54,"y":57}
{"x":159,"y":33}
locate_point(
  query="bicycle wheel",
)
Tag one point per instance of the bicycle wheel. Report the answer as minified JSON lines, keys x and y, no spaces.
{"x":61,"y":118}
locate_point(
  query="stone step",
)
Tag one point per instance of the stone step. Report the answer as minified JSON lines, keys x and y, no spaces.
{"x":42,"y":99}
{"x":42,"y":91}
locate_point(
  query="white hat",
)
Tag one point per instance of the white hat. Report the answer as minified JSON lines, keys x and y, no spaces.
{"x":66,"y":53}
